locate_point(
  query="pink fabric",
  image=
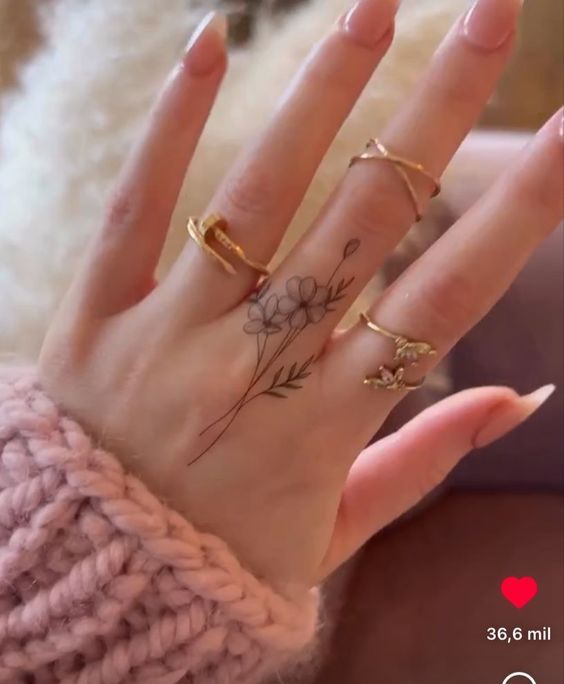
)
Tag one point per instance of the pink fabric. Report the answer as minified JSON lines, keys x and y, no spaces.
{"x":101,"y":583}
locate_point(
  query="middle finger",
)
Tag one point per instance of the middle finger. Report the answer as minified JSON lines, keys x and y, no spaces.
{"x":370,"y":212}
{"x":263,"y":190}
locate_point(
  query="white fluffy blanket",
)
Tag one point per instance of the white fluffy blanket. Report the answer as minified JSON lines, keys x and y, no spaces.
{"x":84,"y":98}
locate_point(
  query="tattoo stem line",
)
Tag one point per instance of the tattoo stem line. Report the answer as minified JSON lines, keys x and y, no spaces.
{"x":288,"y":339}
{"x":304,"y":303}
{"x":260,"y":354}
{"x":242,"y":401}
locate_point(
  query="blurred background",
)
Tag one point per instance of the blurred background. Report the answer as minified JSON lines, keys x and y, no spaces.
{"x":530,"y":91}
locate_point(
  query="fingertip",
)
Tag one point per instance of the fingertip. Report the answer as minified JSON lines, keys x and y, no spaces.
{"x":510,"y":414}
{"x":206,"y":50}
{"x":533,"y":401}
{"x":369,"y":22}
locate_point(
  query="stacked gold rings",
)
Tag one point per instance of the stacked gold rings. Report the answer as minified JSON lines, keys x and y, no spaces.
{"x":377,"y":151}
{"x":215,"y":226}
{"x":407,"y":353}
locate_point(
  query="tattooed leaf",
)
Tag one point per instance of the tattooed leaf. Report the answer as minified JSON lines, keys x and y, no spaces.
{"x":277,"y":376}
{"x":340,"y":293}
{"x":292,"y":370}
{"x":278,"y":395}
{"x":307,"y":364}
{"x":292,"y":385}
{"x":350,"y":248}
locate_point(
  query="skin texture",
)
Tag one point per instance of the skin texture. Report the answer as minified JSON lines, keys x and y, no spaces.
{"x":149,"y":368}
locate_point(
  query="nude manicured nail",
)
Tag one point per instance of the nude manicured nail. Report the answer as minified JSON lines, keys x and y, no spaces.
{"x":508,"y":417}
{"x":489,"y":23}
{"x":206,"y":47}
{"x":369,"y":21}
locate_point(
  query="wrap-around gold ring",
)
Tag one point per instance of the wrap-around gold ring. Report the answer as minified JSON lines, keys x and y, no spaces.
{"x":407,"y":353}
{"x":407,"y":350}
{"x":377,"y":151}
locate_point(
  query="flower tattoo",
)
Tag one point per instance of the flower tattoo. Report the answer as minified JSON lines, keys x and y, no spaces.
{"x":281,"y":320}
{"x":304,"y":303}
{"x":265,"y":318}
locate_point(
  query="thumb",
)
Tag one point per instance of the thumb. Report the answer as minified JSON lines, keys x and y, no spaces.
{"x":395,"y":473}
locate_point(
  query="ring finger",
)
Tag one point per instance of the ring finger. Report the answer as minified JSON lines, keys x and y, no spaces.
{"x":458,"y":280}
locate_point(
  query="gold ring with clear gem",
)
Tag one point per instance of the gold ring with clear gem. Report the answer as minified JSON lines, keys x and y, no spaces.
{"x":216,"y":226}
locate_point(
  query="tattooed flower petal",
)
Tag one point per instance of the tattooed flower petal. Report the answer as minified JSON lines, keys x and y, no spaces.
{"x":293,"y":288}
{"x":320,"y":297}
{"x":305,"y":303}
{"x":299,"y":319}
{"x":254,"y":327}
{"x":271,"y":307}
{"x":316,"y":313}
{"x":287,"y":305}
{"x":264,"y":318}
{"x":256,"y":312}
{"x":308,"y":288}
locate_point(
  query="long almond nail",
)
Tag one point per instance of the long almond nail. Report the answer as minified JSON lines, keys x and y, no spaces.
{"x":508,"y":417}
{"x":206,"y":47}
{"x":489,"y":23}
{"x":369,"y":21}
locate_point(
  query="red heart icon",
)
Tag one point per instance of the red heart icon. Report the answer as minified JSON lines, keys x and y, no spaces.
{"x":519,"y":591}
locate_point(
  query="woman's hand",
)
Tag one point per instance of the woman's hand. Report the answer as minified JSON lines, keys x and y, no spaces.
{"x":238,"y":404}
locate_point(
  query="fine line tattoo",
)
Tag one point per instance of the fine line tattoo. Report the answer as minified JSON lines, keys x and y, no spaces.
{"x":276,"y":322}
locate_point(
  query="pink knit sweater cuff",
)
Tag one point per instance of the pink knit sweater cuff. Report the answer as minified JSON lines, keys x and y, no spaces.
{"x":100,"y":582}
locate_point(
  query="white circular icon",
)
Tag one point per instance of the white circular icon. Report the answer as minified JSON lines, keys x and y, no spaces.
{"x":511,"y":677}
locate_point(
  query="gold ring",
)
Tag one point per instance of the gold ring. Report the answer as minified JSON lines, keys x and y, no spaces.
{"x":400,"y":164}
{"x":392,"y":379}
{"x":216,"y":226}
{"x":407,"y":351}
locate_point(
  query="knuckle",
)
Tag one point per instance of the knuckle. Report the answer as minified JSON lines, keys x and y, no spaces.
{"x":67,"y":343}
{"x":541,"y":196}
{"x":458,"y":93}
{"x":59,"y":364}
{"x":120,"y":214}
{"x":251,"y":190}
{"x":448,"y":302}
{"x":322,"y":76}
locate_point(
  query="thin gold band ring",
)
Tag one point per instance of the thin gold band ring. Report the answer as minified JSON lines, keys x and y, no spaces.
{"x":392,"y":379}
{"x":407,"y":350}
{"x":400,"y":164}
{"x":407,"y":353}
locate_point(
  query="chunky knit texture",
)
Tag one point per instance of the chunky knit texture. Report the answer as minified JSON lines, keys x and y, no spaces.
{"x":101,"y":583}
